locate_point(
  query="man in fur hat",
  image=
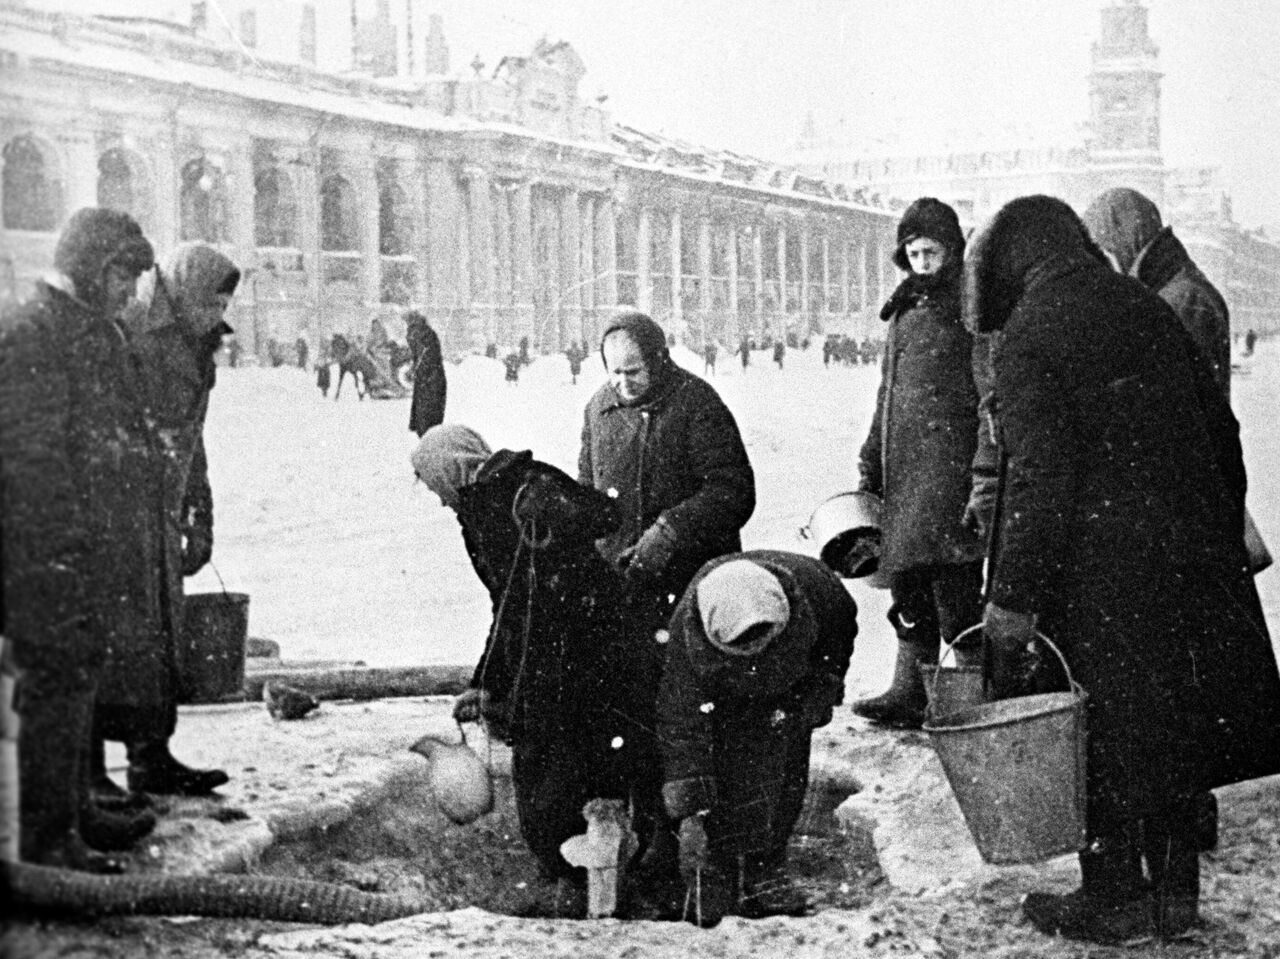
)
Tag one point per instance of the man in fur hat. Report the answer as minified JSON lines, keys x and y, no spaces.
{"x":72,"y":441}
{"x":917,"y":458}
{"x":758,"y":650}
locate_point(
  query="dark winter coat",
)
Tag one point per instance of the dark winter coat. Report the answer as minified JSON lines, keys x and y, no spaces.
{"x":429,"y":384}
{"x":1165,"y":268}
{"x":1118,"y":515}
{"x":800,"y":673}
{"x":559,"y":629}
{"x":919,"y":450}
{"x":676,"y":454}
{"x":175,"y":360}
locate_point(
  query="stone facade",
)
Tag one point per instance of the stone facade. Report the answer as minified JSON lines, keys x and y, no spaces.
{"x":500,"y":205}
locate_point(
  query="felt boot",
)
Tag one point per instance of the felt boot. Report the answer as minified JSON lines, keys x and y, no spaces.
{"x":1111,"y":906}
{"x":153,"y":769}
{"x":1170,"y":849}
{"x":902,"y":705}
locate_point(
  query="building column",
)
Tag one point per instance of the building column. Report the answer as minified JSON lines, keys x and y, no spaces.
{"x":826,"y":274}
{"x":522,"y":253}
{"x":481,"y":250}
{"x":589,"y":296}
{"x":757,"y":252}
{"x":569,"y":287}
{"x":80,"y":151}
{"x":844,"y":276}
{"x":416,"y":184}
{"x":882,"y":273}
{"x":446,"y":233}
{"x":164,"y":186}
{"x":607,"y":253}
{"x":805,"y":279}
{"x":677,"y":277}
{"x":644,"y":248}
{"x":732,"y":253}
{"x":240,"y":192}
{"x":781,"y":320}
{"x":308,"y":186}
{"x":864,"y":307}
{"x":704,"y":275}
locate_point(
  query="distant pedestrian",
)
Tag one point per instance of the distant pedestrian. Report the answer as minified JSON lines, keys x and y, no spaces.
{"x":575,"y":354}
{"x":1250,"y":338}
{"x":779,"y":351}
{"x":429,"y":386}
{"x":524,"y":351}
{"x":709,"y":358}
{"x":323,"y":359}
{"x":234,"y":349}
{"x":300,"y":348}
{"x":744,"y":352}
{"x":512,"y":364}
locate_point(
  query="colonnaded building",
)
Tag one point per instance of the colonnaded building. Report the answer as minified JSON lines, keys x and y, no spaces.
{"x":353,"y":175}
{"x":1119,"y":147}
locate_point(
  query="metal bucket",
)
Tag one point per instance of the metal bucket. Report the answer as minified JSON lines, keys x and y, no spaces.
{"x":1017,"y":769}
{"x":846,"y":530}
{"x":211,"y":652}
{"x":949,"y":689}
{"x":1259,"y":555}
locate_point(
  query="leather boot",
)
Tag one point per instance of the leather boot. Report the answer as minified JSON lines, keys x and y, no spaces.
{"x":153,"y":769}
{"x":1111,"y":906}
{"x":114,"y":831}
{"x":1173,"y":863}
{"x":52,"y":781}
{"x":902,"y":705}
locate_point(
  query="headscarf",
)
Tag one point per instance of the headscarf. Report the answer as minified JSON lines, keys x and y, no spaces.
{"x":734,"y":597}
{"x":929,"y":217}
{"x":1123,"y":222}
{"x":1029,"y":239}
{"x":92,"y":239}
{"x":650,"y":339}
{"x":447,"y":458}
{"x":184,"y":290}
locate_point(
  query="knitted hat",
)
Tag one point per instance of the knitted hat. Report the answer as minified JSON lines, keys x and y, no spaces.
{"x":94,"y":237}
{"x":1122,"y":222}
{"x":929,"y":217}
{"x":734,"y":597}
{"x":447,"y":458}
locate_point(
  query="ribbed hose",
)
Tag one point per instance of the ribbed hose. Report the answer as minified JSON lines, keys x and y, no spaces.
{"x":222,"y":896}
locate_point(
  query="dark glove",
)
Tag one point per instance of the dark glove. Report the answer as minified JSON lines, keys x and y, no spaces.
{"x":470,"y":706}
{"x":649,"y":558}
{"x":980,"y":509}
{"x":1011,"y":644}
{"x":197,"y":543}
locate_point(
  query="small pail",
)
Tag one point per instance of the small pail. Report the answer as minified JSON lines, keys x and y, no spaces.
{"x":1016,"y":767}
{"x":211,"y":651}
{"x":952,"y":688}
{"x":846,"y":529}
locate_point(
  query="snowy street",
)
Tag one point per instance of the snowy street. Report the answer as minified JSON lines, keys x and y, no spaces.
{"x":346,"y":557}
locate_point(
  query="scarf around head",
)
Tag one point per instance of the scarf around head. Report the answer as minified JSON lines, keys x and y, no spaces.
{"x":447,"y":458}
{"x":734,"y":597}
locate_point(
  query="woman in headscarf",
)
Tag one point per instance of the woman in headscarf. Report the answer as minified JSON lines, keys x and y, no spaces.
{"x":554,"y":676}
{"x":175,"y":328}
{"x":1118,"y":533}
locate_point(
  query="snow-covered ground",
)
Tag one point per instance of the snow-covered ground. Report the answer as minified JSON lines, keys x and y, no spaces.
{"x":318,"y":516}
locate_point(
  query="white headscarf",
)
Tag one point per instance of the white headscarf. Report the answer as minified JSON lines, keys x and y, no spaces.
{"x":447,"y":458}
{"x":734,"y":597}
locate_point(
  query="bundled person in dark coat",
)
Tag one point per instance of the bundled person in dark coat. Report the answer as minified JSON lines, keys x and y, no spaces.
{"x":552,"y":679}
{"x":176,"y":329}
{"x":71,"y":439}
{"x":1118,"y":532}
{"x":760,"y":643}
{"x":917,"y":458}
{"x":429,"y":385}
{"x":1128,"y":228}
{"x":661,"y":441}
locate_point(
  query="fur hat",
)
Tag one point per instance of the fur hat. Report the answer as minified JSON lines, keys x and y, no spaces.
{"x":95,"y":237}
{"x":1123,"y":222}
{"x":736,"y":596}
{"x":447,"y":458}
{"x":929,"y":217}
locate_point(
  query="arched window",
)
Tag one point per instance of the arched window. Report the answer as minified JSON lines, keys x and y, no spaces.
{"x":395,"y":229}
{"x":339,"y":226}
{"x":275,"y":209}
{"x":203,"y":202}
{"x":32,"y":198}
{"x":120,"y":186}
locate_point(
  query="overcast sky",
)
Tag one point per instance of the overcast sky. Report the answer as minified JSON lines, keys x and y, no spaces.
{"x":742,"y":74}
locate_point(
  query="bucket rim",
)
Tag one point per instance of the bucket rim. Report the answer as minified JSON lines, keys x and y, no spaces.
{"x":1049,"y":704}
{"x":216,"y":596}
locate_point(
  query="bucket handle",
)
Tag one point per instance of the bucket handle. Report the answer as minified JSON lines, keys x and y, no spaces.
{"x":949,"y":647}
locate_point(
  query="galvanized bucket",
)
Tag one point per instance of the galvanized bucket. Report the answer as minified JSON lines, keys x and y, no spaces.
{"x":846,"y":530}
{"x":1017,"y":769}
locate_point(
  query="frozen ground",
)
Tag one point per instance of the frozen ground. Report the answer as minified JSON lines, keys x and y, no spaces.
{"x":345,"y":556}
